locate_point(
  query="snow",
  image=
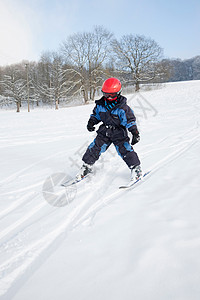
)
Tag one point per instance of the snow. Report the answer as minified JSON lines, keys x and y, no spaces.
{"x":107,"y":243}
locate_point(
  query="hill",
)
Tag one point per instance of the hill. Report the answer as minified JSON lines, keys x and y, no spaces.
{"x":106,"y":243}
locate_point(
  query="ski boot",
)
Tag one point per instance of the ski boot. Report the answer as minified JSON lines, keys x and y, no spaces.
{"x":84,"y":171}
{"x":136,"y":173}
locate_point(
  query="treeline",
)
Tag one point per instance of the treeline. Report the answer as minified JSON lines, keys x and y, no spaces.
{"x":81,"y":65}
{"x":182,"y":70}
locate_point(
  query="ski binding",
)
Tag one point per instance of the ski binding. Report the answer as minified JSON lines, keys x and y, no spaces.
{"x":73,"y":181}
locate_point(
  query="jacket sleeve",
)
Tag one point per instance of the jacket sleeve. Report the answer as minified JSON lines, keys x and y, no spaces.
{"x":94,"y":117}
{"x":128,"y":118}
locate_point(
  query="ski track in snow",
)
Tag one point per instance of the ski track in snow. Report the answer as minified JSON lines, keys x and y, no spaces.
{"x":22,"y":171}
{"x":101,"y":203}
{"x":17,"y":264}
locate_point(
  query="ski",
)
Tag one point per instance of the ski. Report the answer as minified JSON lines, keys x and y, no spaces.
{"x":73,"y":181}
{"x":134,"y":182}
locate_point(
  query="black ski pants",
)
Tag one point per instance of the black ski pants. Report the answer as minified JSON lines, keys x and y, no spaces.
{"x":105,"y":137}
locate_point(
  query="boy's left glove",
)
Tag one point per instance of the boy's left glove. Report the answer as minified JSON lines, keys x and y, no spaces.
{"x":90,"y":125}
{"x":136,"y":136}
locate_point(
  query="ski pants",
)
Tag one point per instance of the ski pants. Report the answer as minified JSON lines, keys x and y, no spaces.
{"x":101,"y":143}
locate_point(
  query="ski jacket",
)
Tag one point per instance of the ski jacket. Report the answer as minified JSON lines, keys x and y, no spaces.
{"x":120,"y":116}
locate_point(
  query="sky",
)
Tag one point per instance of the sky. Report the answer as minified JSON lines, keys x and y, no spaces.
{"x":28,"y":28}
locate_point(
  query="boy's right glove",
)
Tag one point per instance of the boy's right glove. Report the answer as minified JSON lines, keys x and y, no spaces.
{"x":90,"y":125}
{"x":136,"y":136}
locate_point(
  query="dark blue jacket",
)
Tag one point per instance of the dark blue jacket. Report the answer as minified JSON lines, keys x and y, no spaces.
{"x":121,"y":116}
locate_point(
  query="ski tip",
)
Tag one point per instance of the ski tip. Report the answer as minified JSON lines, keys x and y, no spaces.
{"x":123,"y":187}
{"x":67,"y":184}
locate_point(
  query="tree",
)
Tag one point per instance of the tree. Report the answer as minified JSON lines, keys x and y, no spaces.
{"x":188,"y":69}
{"x":43,"y":82}
{"x":139,"y":55}
{"x":14,"y":86}
{"x":52,"y":78}
{"x":34,"y":83}
{"x":196,"y":68}
{"x":58,"y":78}
{"x":179,"y":70}
{"x":163,"y":71}
{"x":86,"y":53}
{"x":1,"y":78}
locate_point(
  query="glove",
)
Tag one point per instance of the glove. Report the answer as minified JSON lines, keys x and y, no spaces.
{"x":136,"y":136}
{"x":90,"y":125}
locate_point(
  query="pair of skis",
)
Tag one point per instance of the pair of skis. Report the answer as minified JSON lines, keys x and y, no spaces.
{"x":131,"y":184}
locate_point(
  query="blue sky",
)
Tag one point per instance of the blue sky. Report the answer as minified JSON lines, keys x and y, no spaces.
{"x":30,"y":27}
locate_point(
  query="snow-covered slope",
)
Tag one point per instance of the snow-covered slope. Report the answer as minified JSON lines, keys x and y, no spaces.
{"x":107,"y":243}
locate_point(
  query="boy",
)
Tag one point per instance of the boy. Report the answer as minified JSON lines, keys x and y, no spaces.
{"x":116,"y":117}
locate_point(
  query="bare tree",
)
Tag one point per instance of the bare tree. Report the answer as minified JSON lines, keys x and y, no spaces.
{"x":14,"y":86}
{"x":1,"y":78}
{"x":43,"y":81}
{"x":58,"y":78}
{"x":52,"y":78}
{"x":139,"y":55}
{"x":163,"y":71}
{"x":86,"y":53}
{"x":34,"y":83}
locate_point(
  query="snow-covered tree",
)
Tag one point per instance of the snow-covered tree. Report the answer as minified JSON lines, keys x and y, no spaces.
{"x":196,"y":68}
{"x":14,"y":87}
{"x":86,"y":53}
{"x":139,"y":55}
{"x":58,"y":79}
{"x":52,"y":78}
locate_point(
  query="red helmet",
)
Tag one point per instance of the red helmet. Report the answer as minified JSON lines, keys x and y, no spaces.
{"x":111,"y":85}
